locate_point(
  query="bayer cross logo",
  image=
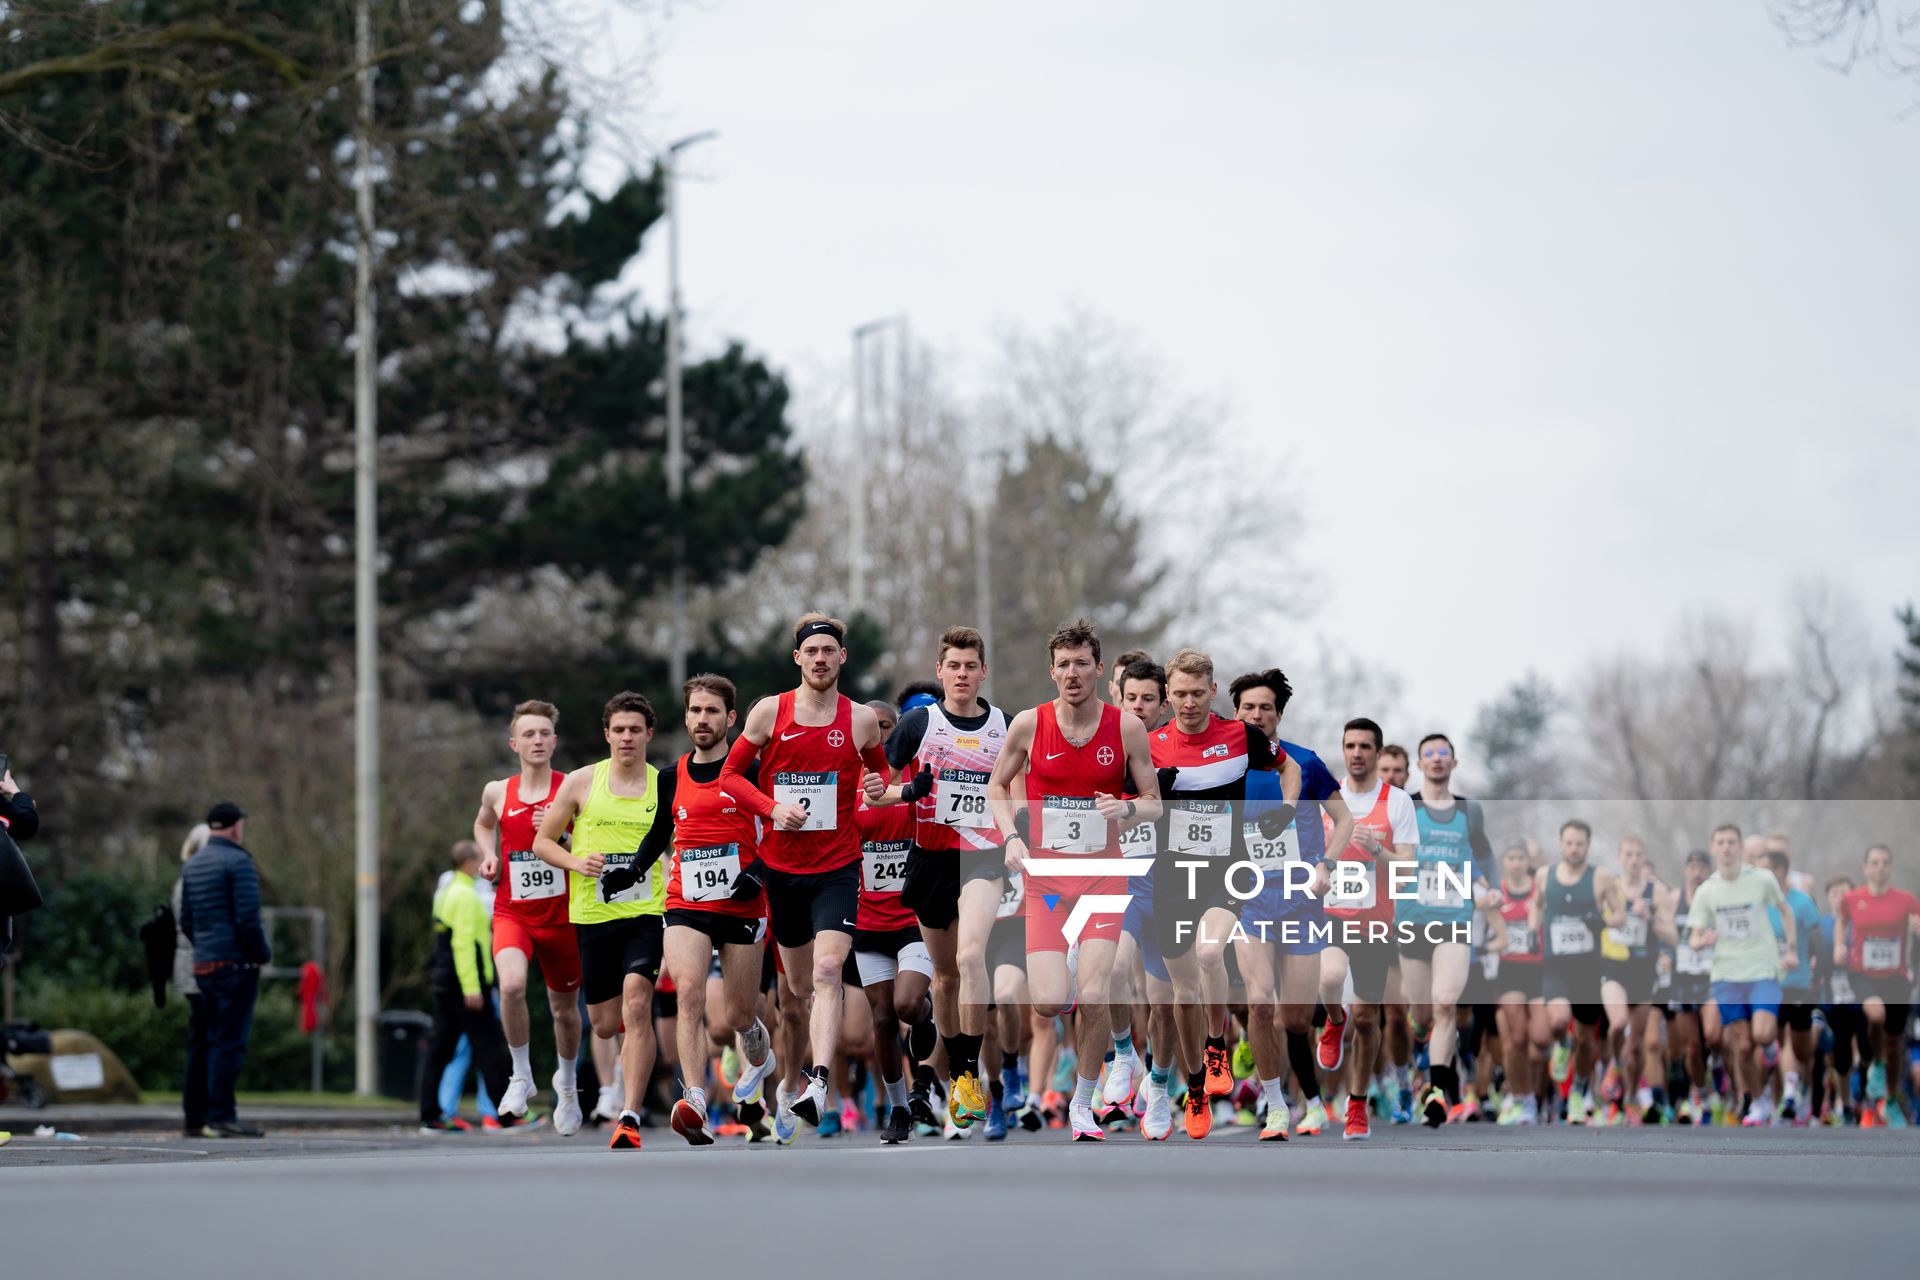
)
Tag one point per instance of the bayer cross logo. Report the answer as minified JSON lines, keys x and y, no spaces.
{"x":1104,"y":755}
{"x":835,"y":738}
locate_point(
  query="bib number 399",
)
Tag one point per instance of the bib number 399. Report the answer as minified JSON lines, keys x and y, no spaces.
{"x":533,"y":879}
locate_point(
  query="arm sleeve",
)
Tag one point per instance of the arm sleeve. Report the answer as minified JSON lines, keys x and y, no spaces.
{"x":734,"y":781}
{"x":1259,"y":750}
{"x":659,"y":837}
{"x":875,"y":759}
{"x":23,"y":820}
{"x":468,"y":933}
{"x":903,"y":744}
{"x":1477,"y":841}
{"x":244,"y":885}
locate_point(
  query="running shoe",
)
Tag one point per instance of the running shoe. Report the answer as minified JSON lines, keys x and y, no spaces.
{"x":566,"y":1104}
{"x":1653,"y":1113}
{"x":1877,"y":1081}
{"x":996,"y":1121}
{"x":1433,"y":1108}
{"x":1314,"y":1119}
{"x":1509,"y":1111}
{"x":1157,"y":1122}
{"x":1789,"y":1111}
{"x":753,"y":1117}
{"x":966,"y":1100}
{"x":1219,"y":1079}
{"x":490,"y":1124}
{"x":728,"y":1066}
{"x":1403,"y":1105}
{"x":751,"y":1077}
{"x":605,"y":1108}
{"x":1357,"y":1129}
{"x":1759,"y":1115}
{"x":1560,"y":1064}
{"x":1578,"y":1108}
{"x":785,"y":1127}
{"x":898,"y":1129}
{"x":1893,"y":1115}
{"x":1330,"y":1047}
{"x":1244,"y":1117}
{"x":1278,"y":1120}
{"x":626,"y":1133}
{"x":455,"y":1125}
{"x":954,"y":1133}
{"x":1085,"y":1127}
{"x":1029,"y":1116}
{"x":690,"y":1122}
{"x":1199,"y":1114}
{"x":920,"y":1107}
{"x":830,"y":1123}
{"x":1123,"y":1079}
{"x":1870,"y":1116}
{"x":514,"y":1101}
{"x":1471,"y":1109}
{"x":1243,"y":1064}
{"x":1612,"y":1084}
{"x":811,"y":1104}
{"x":1013,"y":1085}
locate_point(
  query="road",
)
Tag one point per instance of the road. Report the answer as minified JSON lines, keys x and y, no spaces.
{"x":1559,"y":1202}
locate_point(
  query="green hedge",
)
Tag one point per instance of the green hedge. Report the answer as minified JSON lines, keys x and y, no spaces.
{"x":153,"y":1042}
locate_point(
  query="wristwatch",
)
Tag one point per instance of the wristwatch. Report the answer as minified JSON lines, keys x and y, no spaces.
{"x":1132,"y":809}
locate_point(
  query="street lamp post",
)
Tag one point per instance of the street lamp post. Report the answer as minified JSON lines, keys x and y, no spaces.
{"x":676,"y":427}
{"x":857,"y":521}
{"x":366,"y":636}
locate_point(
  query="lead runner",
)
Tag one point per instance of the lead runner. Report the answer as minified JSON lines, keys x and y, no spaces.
{"x":1077,"y":755}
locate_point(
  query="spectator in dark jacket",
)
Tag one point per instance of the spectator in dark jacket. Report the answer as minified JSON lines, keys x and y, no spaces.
{"x":220,"y":914}
{"x":21,"y":821}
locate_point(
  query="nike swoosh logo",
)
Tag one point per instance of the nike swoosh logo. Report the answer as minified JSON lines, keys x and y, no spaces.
{"x":1055,"y":755}
{"x":514,"y":813}
{"x":785,"y":736}
{"x":847,"y":923}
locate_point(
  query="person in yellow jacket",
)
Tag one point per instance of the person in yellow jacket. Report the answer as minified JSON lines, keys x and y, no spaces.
{"x":462,"y":989}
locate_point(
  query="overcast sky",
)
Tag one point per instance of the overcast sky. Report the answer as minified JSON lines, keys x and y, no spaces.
{"x":1577,"y":316}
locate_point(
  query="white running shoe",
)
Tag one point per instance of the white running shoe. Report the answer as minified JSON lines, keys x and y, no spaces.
{"x":566,"y":1105}
{"x":1157,"y":1123}
{"x":514,"y":1101}
{"x":954,"y":1133}
{"x":606,"y":1109}
{"x":1123,"y":1077}
{"x":751,"y":1077}
{"x":1085,"y":1125}
{"x":811,"y":1102}
{"x":785,"y":1126}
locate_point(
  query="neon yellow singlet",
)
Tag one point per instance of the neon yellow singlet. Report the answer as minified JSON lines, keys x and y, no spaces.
{"x":613,"y":827}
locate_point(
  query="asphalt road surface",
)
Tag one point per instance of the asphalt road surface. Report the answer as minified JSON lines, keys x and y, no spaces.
{"x":1469,"y":1199}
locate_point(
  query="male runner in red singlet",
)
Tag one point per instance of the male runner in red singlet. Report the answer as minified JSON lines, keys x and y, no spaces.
{"x":1077,"y":755}
{"x":812,"y":743}
{"x":714,"y":903}
{"x":530,"y":914}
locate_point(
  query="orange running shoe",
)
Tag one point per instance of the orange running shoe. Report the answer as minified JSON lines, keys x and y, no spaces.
{"x":1219,"y":1076}
{"x":1357,"y":1129}
{"x":1330,"y":1050}
{"x":626,"y":1136}
{"x":690,"y":1122}
{"x":1199,"y":1114}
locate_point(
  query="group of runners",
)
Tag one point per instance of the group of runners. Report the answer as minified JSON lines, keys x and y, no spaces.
{"x":1121,"y":908}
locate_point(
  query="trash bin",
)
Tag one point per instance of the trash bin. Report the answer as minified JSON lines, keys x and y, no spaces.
{"x":404,"y":1038}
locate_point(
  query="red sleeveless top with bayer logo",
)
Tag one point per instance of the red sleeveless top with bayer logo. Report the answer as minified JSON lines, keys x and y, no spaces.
{"x":886,"y":837}
{"x":1376,"y":903}
{"x":818,"y":768}
{"x":1062,"y":780}
{"x":1523,"y":944}
{"x":531,"y":891}
{"x":713,"y":839}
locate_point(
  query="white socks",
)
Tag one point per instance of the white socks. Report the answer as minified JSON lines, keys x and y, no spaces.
{"x":522,"y":1055}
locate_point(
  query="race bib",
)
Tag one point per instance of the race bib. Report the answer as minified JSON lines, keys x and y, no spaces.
{"x":1734,"y":924}
{"x":1570,"y":937}
{"x":1012,"y":894}
{"x":1520,"y":940}
{"x":884,"y":865}
{"x":1490,"y":965}
{"x":529,"y":878}
{"x":621,"y":879}
{"x":1631,"y":934}
{"x":1436,"y":890}
{"x":1268,"y":854}
{"x":708,"y":874}
{"x":1843,"y":989}
{"x":1352,"y":902}
{"x":1204,"y":827}
{"x":1140,"y":841}
{"x":1695,"y":964}
{"x":1663,"y":971}
{"x":1071,"y":824}
{"x":960,"y":798}
{"x":1879,"y":954}
{"x":817,"y":793}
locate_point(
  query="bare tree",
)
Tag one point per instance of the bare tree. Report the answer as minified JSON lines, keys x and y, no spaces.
{"x":1851,"y":33}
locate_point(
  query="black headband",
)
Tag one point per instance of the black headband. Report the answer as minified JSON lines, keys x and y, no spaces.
{"x":819,"y":627}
